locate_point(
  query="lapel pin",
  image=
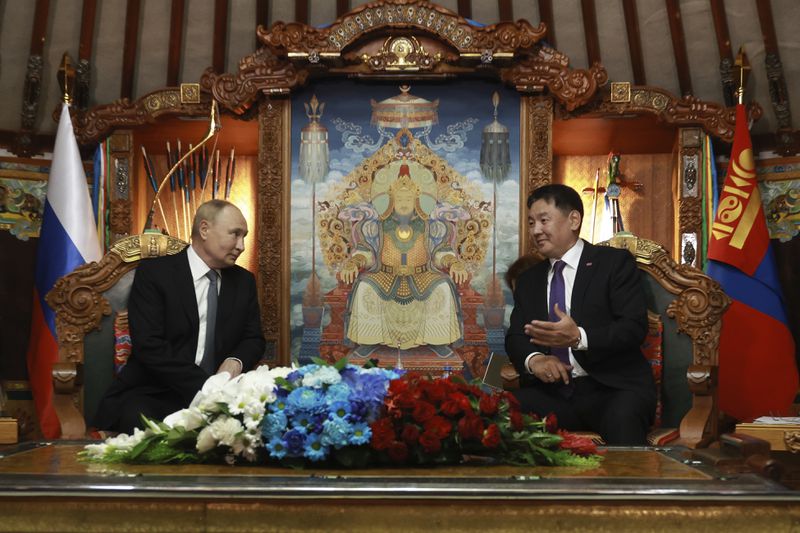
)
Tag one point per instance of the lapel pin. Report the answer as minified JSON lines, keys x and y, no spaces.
{"x":589,"y":264}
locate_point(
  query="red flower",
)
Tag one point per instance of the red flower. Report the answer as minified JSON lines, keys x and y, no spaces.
{"x":512,"y":400}
{"x":456,"y":403}
{"x":434,"y":391}
{"x":488,"y":404}
{"x":410,"y":434}
{"x":491,"y":436}
{"x":430,"y":442}
{"x":577,"y":444}
{"x":423,"y":411}
{"x":438,"y":426}
{"x":382,"y":434}
{"x":398,"y":451}
{"x":551,"y":423}
{"x":515,"y":417}
{"x":470,"y":427}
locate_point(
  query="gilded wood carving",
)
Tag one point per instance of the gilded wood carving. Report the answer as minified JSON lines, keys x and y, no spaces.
{"x":714,"y":118}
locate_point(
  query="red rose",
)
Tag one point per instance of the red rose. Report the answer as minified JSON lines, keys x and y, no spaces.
{"x":512,"y":400}
{"x":396,"y":386}
{"x":577,"y":444}
{"x":430,"y":442}
{"x":491,"y":436}
{"x":435,"y":391}
{"x":456,"y":403}
{"x":470,"y":427}
{"x":515,"y":417}
{"x":398,"y":451}
{"x":423,"y":411}
{"x":382,"y":434}
{"x":439,"y":426}
{"x":551,"y":423}
{"x":405,"y":400}
{"x":410,"y":434}
{"x":488,"y":404}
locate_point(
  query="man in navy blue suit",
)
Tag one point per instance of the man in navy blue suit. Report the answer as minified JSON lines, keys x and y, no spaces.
{"x":578,"y":322}
{"x":191,"y":315}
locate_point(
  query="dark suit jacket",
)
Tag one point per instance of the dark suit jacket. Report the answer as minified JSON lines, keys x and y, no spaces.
{"x":164,"y":324}
{"x":608,"y":302}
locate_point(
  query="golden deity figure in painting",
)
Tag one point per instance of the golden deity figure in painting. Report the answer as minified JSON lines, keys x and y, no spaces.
{"x":404,"y":267}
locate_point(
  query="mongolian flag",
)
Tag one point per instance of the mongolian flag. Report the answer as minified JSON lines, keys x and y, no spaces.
{"x":67,"y":240}
{"x":757,"y":368}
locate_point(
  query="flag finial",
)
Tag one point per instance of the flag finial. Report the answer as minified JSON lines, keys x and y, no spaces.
{"x":742,"y":65}
{"x":66,"y":78}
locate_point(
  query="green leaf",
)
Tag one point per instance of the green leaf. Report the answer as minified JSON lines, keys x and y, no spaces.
{"x":340,"y":364}
{"x":320,"y":361}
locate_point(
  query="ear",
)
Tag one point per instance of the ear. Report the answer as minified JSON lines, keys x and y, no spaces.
{"x":204,"y":227}
{"x":575,"y":220}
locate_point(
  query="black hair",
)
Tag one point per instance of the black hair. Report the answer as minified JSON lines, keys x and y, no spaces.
{"x":564,"y":197}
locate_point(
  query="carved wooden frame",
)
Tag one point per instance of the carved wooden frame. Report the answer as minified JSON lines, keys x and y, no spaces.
{"x":79,"y":305}
{"x":697,"y":310}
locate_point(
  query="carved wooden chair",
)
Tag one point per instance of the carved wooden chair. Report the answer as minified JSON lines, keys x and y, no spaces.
{"x":687,"y":306}
{"x":89,"y":303}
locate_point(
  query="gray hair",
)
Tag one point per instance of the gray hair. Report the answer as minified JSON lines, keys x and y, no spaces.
{"x":208,"y":211}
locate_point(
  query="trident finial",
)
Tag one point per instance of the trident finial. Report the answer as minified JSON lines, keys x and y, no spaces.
{"x":311,"y":109}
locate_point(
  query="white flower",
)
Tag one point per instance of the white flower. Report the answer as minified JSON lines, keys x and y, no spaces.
{"x":326,"y":375}
{"x":189,"y":419}
{"x":222,"y":431}
{"x":206,"y":440}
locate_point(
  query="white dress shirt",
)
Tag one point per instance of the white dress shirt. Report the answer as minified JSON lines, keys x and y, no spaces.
{"x":571,"y":259}
{"x":201,"y":284}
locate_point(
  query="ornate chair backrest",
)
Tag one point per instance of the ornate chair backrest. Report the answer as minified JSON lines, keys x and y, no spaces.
{"x":690,"y":305}
{"x":84,"y":303}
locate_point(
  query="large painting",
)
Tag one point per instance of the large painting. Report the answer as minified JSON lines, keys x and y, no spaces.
{"x":397,"y":249}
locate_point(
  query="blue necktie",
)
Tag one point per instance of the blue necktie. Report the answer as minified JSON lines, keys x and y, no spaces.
{"x":558,"y":296}
{"x":207,"y":362}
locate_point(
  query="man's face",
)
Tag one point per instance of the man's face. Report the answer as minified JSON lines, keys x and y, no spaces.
{"x":553,"y":231}
{"x":222,"y":239}
{"x":404,"y":202}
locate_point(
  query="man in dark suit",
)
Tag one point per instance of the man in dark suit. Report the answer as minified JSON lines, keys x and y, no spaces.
{"x":578,"y":322}
{"x":173,"y":300}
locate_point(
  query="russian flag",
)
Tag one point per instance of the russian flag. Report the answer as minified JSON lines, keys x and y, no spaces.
{"x":67,"y":240}
{"x":757,"y":368}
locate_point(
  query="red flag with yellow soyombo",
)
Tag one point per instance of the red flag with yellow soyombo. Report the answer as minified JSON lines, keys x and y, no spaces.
{"x":757,"y":368}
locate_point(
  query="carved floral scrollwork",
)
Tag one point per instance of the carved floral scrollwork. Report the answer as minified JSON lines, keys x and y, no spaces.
{"x":270,"y":232}
{"x":259,"y":72}
{"x":572,"y":87}
{"x":444,"y":24}
{"x":95,"y":124}
{"x":715,"y":119}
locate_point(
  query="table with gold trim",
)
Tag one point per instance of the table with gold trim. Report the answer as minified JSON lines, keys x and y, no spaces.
{"x":44,"y":487}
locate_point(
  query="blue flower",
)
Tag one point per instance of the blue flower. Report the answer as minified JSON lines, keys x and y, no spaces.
{"x":274,"y":424}
{"x":315,"y":449}
{"x":295,"y":440}
{"x":339,"y":409}
{"x":277,"y":448}
{"x":338,"y":392}
{"x":305,"y":398}
{"x":361,"y":434}
{"x":336,"y":433}
{"x":280,"y":403}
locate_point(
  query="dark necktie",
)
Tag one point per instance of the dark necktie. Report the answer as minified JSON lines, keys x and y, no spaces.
{"x":558,"y":296}
{"x":207,"y":363}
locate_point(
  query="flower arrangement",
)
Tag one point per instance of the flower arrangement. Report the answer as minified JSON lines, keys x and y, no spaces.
{"x":346,"y":415}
